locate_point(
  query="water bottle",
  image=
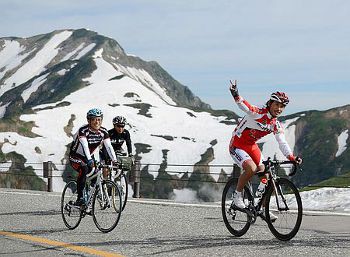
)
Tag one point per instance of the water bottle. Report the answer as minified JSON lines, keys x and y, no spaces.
{"x":261,"y":188}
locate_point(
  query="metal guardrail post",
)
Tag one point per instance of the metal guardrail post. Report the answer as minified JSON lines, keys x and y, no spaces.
{"x":135,"y":178}
{"x":47,"y":173}
{"x":237,"y":170}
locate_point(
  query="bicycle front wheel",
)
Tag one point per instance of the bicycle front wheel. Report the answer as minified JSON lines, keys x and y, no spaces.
{"x":236,"y":221}
{"x":106,"y":206}
{"x":71,"y":214}
{"x":122,"y":184}
{"x":285,"y":203}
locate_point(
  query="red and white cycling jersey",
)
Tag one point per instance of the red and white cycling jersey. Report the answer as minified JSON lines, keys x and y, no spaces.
{"x":256,"y":124}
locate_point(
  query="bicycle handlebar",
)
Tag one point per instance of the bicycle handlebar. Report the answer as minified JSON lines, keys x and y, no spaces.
{"x":275,"y":163}
{"x":121,"y":154}
{"x":116,"y":165}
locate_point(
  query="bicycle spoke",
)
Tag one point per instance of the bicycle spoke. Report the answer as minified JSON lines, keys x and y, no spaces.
{"x":236,"y":221}
{"x":71,"y":214}
{"x":286,"y":205}
{"x":123,"y":188}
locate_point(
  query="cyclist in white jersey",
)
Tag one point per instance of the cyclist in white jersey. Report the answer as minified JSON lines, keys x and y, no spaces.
{"x":257,"y":123}
{"x":88,"y":138}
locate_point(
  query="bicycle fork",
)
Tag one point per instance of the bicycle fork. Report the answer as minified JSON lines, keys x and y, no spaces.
{"x":105,"y":196}
{"x":279,"y":194}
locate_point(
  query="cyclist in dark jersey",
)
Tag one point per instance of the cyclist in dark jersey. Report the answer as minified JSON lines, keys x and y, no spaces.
{"x":88,"y":138}
{"x":118,"y":136}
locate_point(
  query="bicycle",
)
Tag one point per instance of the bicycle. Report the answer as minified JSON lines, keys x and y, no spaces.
{"x":103,"y":202}
{"x":281,"y":197}
{"x":119,"y":175}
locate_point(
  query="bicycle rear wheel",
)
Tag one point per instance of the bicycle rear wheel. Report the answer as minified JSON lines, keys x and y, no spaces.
{"x":71,"y":214}
{"x":236,"y":221}
{"x":106,"y":206}
{"x":122,"y":184}
{"x":287,"y":206}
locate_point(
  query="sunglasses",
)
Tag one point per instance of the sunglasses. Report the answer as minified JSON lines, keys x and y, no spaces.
{"x":120,"y":126}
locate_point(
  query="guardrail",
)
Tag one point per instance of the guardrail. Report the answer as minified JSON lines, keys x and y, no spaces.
{"x":50,"y":170}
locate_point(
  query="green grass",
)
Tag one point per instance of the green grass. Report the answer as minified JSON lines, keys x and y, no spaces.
{"x":339,"y":181}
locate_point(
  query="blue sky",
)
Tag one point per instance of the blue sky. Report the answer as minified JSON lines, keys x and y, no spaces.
{"x":300,"y":47}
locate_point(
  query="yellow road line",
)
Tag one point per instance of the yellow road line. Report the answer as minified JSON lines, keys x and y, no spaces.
{"x":60,"y":244}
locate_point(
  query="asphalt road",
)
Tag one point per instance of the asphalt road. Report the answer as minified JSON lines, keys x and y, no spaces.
{"x":31,"y":225}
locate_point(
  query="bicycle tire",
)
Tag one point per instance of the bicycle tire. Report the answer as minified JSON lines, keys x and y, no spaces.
{"x":106,"y":206}
{"x":122,"y":184}
{"x":71,"y":215}
{"x":289,"y":213}
{"x":237,"y":222}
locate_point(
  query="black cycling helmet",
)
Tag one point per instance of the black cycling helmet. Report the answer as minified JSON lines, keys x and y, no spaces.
{"x":119,"y":120}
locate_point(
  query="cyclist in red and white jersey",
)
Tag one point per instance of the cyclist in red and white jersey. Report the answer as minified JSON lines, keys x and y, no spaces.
{"x":257,"y":123}
{"x":88,"y":138}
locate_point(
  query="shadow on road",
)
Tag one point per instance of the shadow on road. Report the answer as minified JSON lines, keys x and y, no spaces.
{"x":184,"y":243}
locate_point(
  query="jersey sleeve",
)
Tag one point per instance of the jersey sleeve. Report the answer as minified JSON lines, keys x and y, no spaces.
{"x":248,"y":108}
{"x":128,"y":142}
{"x":85,"y":145}
{"x":281,"y":139}
{"x":109,"y":148}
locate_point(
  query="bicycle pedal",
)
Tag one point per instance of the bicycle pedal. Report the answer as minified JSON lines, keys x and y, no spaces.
{"x":67,"y":207}
{"x":251,"y":216}
{"x":236,"y":208}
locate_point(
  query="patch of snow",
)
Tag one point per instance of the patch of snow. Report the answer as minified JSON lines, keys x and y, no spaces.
{"x":69,"y":55}
{"x":62,"y":72}
{"x":34,"y":87}
{"x":10,"y":56}
{"x":3,"y":109}
{"x":85,"y":51}
{"x":9,"y":53}
{"x":330,"y":199}
{"x":343,"y":137}
{"x":37,"y":64}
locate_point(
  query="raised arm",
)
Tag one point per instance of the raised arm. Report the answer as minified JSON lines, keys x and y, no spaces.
{"x":234,"y":89}
{"x":243,"y":104}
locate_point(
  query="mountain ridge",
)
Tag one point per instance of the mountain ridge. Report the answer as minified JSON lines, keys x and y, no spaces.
{"x":169,"y":124}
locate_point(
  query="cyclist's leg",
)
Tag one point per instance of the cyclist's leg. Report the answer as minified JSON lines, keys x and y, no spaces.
{"x":82,"y":169}
{"x":104,"y":157}
{"x":243,"y":160}
{"x":257,"y":157}
{"x":249,"y":159}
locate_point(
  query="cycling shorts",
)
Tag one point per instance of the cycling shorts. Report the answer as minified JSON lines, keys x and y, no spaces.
{"x":249,"y":152}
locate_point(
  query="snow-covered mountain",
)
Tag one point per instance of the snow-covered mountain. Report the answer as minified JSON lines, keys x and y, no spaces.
{"x":48,"y":83}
